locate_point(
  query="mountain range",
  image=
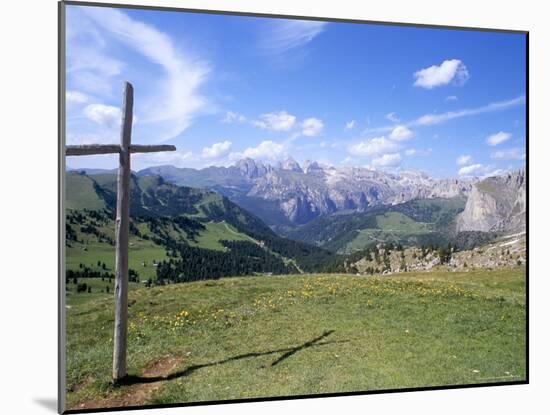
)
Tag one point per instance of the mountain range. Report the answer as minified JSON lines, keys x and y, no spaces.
{"x":288,"y":194}
{"x":256,"y":218}
{"x":344,"y":209}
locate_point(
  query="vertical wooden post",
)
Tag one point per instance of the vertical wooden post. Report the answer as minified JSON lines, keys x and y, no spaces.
{"x":121,"y":236}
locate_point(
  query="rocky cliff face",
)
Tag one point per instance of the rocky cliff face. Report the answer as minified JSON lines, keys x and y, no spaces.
{"x":302,"y":193}
{"x":317,"y":190}
{"x":496,"y":204}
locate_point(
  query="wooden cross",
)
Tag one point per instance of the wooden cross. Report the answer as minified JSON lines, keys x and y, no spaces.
{"x":122,"y":221}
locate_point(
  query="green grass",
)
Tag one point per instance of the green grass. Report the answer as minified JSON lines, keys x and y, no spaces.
{"x":391,"y":226}
{"x":89,"y":250}
{"x":398,"y":222}
{"x":217,"y":231}
{"x":140,"y":251}
{"x":82,"y":193}
{"x":280,"y":336}
{"x":99,"y":291}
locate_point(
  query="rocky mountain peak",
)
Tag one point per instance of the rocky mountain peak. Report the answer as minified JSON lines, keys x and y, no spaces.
{"x":496,"y":204}
{"x":291,"y":164}
{"x":251,"y":168}
{"x":312,"y":166}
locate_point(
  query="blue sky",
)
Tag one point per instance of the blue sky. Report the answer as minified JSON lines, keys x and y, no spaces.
{"x":220,"y":88}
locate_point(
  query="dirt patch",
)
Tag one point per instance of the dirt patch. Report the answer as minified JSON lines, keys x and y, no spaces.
{"x":140,"y":389}
{"x":88,"y":380}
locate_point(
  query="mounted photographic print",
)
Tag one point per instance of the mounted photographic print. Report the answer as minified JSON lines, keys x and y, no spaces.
{"x":261,"y":207}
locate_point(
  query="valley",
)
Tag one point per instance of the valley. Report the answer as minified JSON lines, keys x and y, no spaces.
{"x":181,"y":234}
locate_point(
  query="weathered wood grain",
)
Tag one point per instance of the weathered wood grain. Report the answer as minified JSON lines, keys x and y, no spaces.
{"x":121,"y":236}
{"x":90,"y":149}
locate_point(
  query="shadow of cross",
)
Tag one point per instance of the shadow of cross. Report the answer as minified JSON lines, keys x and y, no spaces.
{"x":288,"y":351}
{"x":122,"y":220}
{"x":302,"y":346}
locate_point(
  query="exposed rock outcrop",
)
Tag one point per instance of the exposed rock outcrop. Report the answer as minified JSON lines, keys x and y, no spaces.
{"x":496,"y":204}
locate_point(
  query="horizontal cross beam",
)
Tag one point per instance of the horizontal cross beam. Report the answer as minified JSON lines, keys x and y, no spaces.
{"x":90,"y":149}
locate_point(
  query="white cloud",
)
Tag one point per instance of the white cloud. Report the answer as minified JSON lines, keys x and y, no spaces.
{"x":498,"y":138}
{"x":174,"y":99}
{"x":276,"y":121}
{"x":387,"y":160}
{"x":416,"y":152}
{"x":285,"y":35}
{"x":105,"y":115}
{"x":266,"y":150}
{"x":348,"y":161}
{"x":216,"y":150}
{"x":350,"y":124}
{"x":509,"y":154}
{"x":392,"y":116}
{"x":373,"y":147}
{"x":464,"y":159}
{"x":496,"y":172}
{"x":76,"y":97}
{"x":439,"y":75}
{"x":451,"y":98}
{"x":472,"y":169}
{"x":432,"y":119}
{"x":312,"y":127}
{"x":401,"y":133}
{"x":233,"y":118}
{"x":174,"y":158}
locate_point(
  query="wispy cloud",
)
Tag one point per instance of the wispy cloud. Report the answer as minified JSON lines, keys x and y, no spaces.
{"x":76,"y":97}
{"x":509,"y":154}
{"x":392,"y":116}
{"x":175,"y":158}
{"x":233,"y":118}
{"x":434,"y":119}
{"x":167,"y":98}
{"x":418,"y":152}
{"x":350,"y":125}
{"x":285,"y":35}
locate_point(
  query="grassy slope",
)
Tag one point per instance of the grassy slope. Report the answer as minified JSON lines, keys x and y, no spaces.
{"x":140,"y":251}
{"x":143,"y":250}
{"x":82,"y":193}
{"x":216,"y":232}
{"x":391,"y":226}
{"x":256,"y":336}
{"x":416,"y":222}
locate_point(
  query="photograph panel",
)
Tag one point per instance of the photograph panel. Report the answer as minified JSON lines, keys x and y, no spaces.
{"x":276,"y":207}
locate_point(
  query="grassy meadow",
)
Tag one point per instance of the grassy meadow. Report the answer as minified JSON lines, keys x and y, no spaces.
{"x":264,"y":336}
